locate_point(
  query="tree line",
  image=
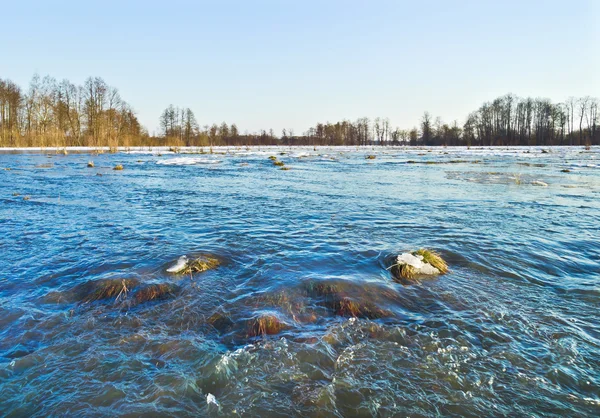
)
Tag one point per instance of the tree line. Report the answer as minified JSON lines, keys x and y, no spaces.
{"x":59,"y":114}
{"x":52,"y":113}
{"x":508,"y":120}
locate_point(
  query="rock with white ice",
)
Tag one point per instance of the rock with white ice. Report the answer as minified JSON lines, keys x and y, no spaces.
{"x":416,"y":261}
{"x":181,"y":264}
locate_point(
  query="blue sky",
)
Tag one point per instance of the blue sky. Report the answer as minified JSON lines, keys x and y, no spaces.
{"x":285,"y":64}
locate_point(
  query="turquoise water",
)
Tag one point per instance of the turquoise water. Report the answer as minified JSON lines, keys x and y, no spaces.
{"x":511,"y":330}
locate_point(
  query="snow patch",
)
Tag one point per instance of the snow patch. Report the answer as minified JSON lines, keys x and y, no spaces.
{"x":180,"y":265}
{"x":210,"y":399}
{"x":416,"y":261}
{"x":187,"y":161}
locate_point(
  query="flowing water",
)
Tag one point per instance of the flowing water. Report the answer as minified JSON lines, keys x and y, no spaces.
{"x":511,"y":330}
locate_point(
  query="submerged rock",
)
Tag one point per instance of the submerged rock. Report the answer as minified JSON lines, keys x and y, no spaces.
{"x":265,"y":325}
{"x":336,"y":298}
{"x":155,"y":292}
{"x":106,"y":289}
{"x":220,"y":321}
{"x":409,"y":266}
{"x":350,"y":308}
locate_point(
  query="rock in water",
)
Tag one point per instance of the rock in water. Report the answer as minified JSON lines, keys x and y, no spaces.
{"x":106,"y":289}
{"x":418,"y":263}
{"x":155,"y":292}
{"x":179,"y":266}
{"x":197,"y":265}
{"x":265,"y":325}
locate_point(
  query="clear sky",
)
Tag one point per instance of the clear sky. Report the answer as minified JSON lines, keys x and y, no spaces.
{"x":290,"y":64}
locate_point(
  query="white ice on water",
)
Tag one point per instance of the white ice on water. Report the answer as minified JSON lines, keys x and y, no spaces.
{"x":210,"y":399}
{"x":416,"y":261}
{"x":180,"y":265}
{"x":187,"y":161}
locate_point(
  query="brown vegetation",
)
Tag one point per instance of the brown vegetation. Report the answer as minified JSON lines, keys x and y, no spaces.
{"x":201,"y":264}
{"x":335,"y":298}
{"x":106,"y":289}
{"x":155,"y":292}
{"x":265,"y":325}
{"x":434,"y":259}
{"x":61,"y":114}
{"x":404,"y":271}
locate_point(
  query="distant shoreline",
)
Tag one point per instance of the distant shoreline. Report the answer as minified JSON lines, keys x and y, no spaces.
{"x":232,"y":148}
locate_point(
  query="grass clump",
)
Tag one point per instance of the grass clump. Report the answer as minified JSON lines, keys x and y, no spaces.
{"x":278,"y":163}
{"x":370,"y":157}
{"x":90,"y":164}
{"x":118,"y":167}
{"x":273,"y":158}
{"x":434,"y":259}
{"x":201,"y":264}
{"x":285,"y":168}
{"x":404,"y":271}
{"x":26,"y":197}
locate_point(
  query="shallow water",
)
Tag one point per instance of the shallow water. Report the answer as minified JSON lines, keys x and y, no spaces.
{"x":512,"y":329}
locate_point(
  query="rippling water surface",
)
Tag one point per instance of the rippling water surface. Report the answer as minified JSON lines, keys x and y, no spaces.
{"x":512,"y":329}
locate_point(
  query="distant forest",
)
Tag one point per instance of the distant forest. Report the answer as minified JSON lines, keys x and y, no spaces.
{"x":60,"y":114}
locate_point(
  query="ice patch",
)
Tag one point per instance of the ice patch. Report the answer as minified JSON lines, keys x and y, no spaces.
{"x":210,"y":399}
{"x":187,"y":161}
{"x":416,"y":261}
{"x":180,"y":265}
